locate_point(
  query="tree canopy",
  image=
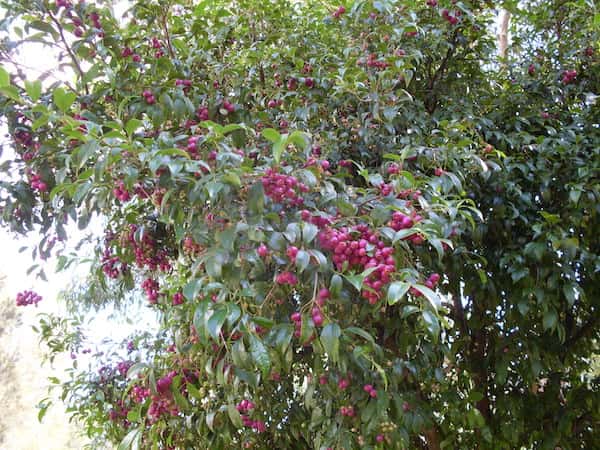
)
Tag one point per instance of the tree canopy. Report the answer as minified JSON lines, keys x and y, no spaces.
{"x":356,"y":224}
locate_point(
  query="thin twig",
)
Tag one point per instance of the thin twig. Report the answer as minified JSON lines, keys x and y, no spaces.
{"x":69,"y":51}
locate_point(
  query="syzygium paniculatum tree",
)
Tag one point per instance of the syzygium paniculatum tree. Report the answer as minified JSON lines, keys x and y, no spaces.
{"x":356,"y":226}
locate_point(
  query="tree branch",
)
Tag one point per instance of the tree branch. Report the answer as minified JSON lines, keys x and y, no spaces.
{"x":503,"y":34}
{"x":432,"y":85}
{"x":582,"y":332}
{"x":69,"y":51}
{"x":167,"y":35}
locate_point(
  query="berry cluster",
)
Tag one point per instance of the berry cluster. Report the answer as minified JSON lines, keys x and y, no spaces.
{"x":190,"y":246}
{"x":360,"y":249}
{"x":245,"y":406}
{"x":347,"y":411}
{"x":430,"y":282}
{"x":186,"y":84}
{"x":338,"y":12}
{"x":161,"y":405}
{"x":139,"y":393}
{"x":386,"y":189}
{"x":123,"y":367}
{"x":149,"y":97}
{"x":151,"y":286}
{"x":157,"y":45}
{"x":401,"y":221}
{"x":369,"y":389}
{"x":452,"y":19}
{"x":26,"y":298}
{"x":373,"y":61}
{"x":192,"y":147}
{"x":127,"y":52}
{"x":568,"y":76}
{"x":283,"y":188}
{"x":227,"y":106}
{"x":296,"y":317}
{"x":177,"y":299}
{"x":202,"y":113}
{"x":286,"y":278}
{"x":121,"y":192}
{"x":119,"y":413}
{"x":147,"y":253}
{"x":37,"y":183}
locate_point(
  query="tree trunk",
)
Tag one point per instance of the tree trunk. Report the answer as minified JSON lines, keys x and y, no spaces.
{"x":504,"y":20}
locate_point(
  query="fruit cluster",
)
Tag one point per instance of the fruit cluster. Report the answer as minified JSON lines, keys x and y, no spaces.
{"x":568,"y":76}
{"x":26,"y":298}
{"x":359,"y":248}
{"x":286,"y":278}
{"x":283,"y":188}
{"x":37,"y":184}
{"x":120,"y":192}
{"x":150,"y":287}
{"x":149,"y":97}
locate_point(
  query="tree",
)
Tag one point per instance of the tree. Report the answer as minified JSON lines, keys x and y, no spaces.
{"x":9,"y":392}
{"x":356,"y":228}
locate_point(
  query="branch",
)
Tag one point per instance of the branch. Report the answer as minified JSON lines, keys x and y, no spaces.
{"x":167,"y":36}
{"x":587,"y":328}
{"x":432,"y":85}
{"x":69,"y":51}
{"x":503,"y":33}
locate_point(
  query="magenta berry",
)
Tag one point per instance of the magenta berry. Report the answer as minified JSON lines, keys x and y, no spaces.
{"x":26,"y":298}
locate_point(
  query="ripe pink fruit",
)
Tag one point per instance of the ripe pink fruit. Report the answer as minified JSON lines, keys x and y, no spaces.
{"x":262,"y":251}
{"x":292,"y":252}
{"x":317,"y":320}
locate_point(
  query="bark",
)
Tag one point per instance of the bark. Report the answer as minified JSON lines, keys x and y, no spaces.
{"x":503,"y":34}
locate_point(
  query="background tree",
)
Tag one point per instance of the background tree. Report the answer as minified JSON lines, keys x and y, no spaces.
{"x":9,"y":391}
{"x":356,"y":229}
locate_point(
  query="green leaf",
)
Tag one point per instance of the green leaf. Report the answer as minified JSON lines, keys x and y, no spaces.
{"x":278,"y":149}
{"x":272,"y":135}
{"x":360,"y":332}
{"x":130,"y":439}
{"x":215,"y":323}
{"x":200,"y":317}
{"x":234,"y":415}
{"x":302,"y":260}
{"x":11,"y":92}
{"x":330,"y":338}
{"x":34,"y":89}
{"x":132,"y":125}
{"x":136,"y":369}
{"x":432,"y":324}
{"x":396,"y":291}
{"x":260,"y":355}
{"x":434,"y":299}
{"x":550,"y":319}
{"x":335,"y":287}
{"x":309,"y":232}
{"x":256,"y":199}
{"x":63,"y":99}
{"x":191,"y":289}
{"x":4,"y":77}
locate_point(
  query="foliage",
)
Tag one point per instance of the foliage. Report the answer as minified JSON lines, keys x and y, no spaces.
{"x":9,"y":392}
{"x":355,"y":226}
